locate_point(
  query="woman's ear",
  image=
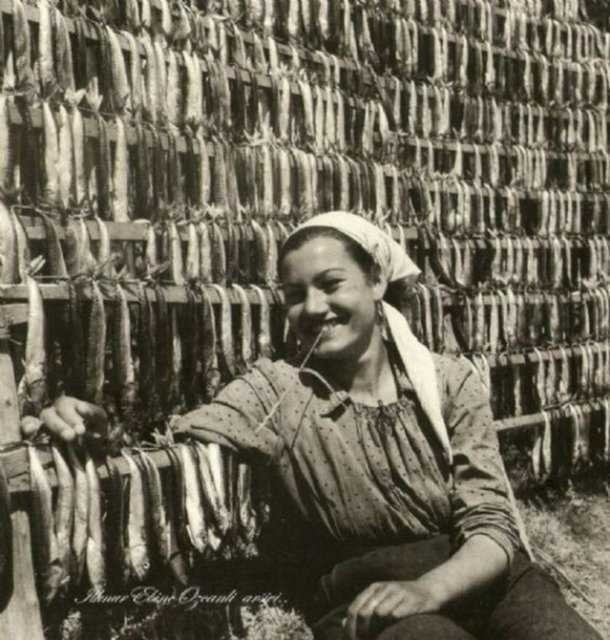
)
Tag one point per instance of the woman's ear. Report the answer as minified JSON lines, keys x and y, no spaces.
{"x":380,"y":285}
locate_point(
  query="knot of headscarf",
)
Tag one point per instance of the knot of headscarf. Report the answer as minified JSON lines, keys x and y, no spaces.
{"x":395,"y":264}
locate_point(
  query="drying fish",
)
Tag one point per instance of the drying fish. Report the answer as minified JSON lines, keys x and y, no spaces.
{"x":81,"y":515}
{"x":245,"y":352}
{"x":46,"y":67}
{"x":192,"y":266}
{"x":163,"y":342}
{"x":22,"y":47}
{"x":196,"y":526}
{"x":96,"y":569}
{"x":263,"y":340}
{"x":209,"y":347}
{"x":175,"y":391}
{"x":8,"y":247}
{"x":23,"y":250}
{"x":48,"y":561}
{"x":226,"y":335}
{"x":219,"y":256}
{"x":51,"y":155}
{"x":103,"y":168}
{"x":118,"y":73}
{"x":136,"y":548}
{"x":272,"y":257}
{"x":247,"y":518}
{"x":32,"y":390}
{"x":174,"y":500}
{"x":104,"y":257}
{"x":114,"y":523}
{"x":120,"y":175}
{"x":213,"y":494}
{"x":96,"y":344}
{"x":79,"y":181}
{"x":204,"y":171}
{"x":64,"y":510}
{"x":160,"y":524}
{"x":151,"y":93}
{"x":123,"y":364}
{"x":175,"y":254}
{"x":205,"y":253}
{"x":7,"y":159}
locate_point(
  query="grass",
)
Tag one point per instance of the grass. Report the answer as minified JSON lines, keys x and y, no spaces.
{"x":570,"y":537}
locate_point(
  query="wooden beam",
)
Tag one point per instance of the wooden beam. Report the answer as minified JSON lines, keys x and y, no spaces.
{"x":21,"y":618}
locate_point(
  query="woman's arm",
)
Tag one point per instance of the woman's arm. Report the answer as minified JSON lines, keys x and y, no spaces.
{"x":484,"y":531}
{"x":479,"y":500}
{"x":478,"y":563}
{"x":235,"y":419}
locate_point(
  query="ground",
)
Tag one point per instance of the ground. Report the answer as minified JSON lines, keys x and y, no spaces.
{"x":570,"y":536}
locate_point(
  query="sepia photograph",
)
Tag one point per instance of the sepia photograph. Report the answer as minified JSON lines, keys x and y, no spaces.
{"x":304,"y":320}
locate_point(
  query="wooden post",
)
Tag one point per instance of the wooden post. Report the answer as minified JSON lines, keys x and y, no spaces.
{"x":21,"y":617}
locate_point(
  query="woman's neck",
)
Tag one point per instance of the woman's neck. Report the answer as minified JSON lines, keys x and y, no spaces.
{"x":369,"y":378}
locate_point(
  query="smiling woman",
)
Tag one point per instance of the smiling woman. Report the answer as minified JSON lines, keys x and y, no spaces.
{"x":388,"y":455}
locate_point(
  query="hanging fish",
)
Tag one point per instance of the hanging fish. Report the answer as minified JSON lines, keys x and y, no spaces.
{"x":263,"y":340}
{"x":123,"y":364}
{"x":196,"y":526}
{"x":136,"y":535}
{"x":46,"y":68}
{"x":9,"y":264}
{"x":174,"y":500}
{"x":120,"y":84}
{"x":244,"y":359}
{"x":51,"y":155}
{"x":248,"y":525}
{"x":211,"y":472}
{"x":48,"y":560}
{"x":95,"y":541}
{"x":208,"y":347}
{"x":219,"y":256}
{"x":160,"y":524}
{"x":226,"y":335}
{"x":32,"y":391}
{"x":175,"y":253}
{"x":96,"y":344}
{"x":120,"y":175}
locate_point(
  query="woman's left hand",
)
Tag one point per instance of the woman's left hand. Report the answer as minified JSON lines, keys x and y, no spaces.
{"x":383,"y":603}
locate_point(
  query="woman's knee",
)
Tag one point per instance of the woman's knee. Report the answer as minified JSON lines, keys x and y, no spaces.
{"x":425,"y":626}
{"x":534,"y":608}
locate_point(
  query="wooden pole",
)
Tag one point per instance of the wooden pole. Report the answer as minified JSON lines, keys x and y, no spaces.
{"x":21,"y":617}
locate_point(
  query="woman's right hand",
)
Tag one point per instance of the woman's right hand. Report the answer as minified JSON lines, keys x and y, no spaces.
{"x":68,"y":418}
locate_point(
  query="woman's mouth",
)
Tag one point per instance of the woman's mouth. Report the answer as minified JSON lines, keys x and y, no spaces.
{"x":324,"y":328}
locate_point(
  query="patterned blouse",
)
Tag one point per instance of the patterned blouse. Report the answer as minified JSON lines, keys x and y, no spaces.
{"x":367,"y":475}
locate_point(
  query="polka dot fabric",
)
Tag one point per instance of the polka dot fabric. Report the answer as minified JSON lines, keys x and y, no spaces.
{"x":368,"y":475}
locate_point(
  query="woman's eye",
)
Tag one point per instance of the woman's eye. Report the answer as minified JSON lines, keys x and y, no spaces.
{"x":331,"y":285}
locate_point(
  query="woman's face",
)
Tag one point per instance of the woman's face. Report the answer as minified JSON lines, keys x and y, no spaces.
{"x":326,"y":291}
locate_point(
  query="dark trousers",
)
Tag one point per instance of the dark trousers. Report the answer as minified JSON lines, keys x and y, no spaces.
{"x":525,"y":605}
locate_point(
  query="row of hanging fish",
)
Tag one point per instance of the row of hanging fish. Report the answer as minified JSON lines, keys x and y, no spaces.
{"x":545,"y":378}
{"x":496,"y":166}
{"x":480,"y":120}
{"x":503,"y":320}
{"x":456,"y":207}
{"x":554,"y":263}
{"x":573,"y":437}
{"x":371,"y":33}
{"x":205,"y":505}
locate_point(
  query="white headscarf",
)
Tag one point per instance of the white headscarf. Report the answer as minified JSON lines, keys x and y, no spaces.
{"x":395,"y":265}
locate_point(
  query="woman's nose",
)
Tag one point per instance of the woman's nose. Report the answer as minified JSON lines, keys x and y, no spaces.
{"x":315,"y":303}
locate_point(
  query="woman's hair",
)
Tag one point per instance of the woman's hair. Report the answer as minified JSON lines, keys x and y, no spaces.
{"x":362,"y":258}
